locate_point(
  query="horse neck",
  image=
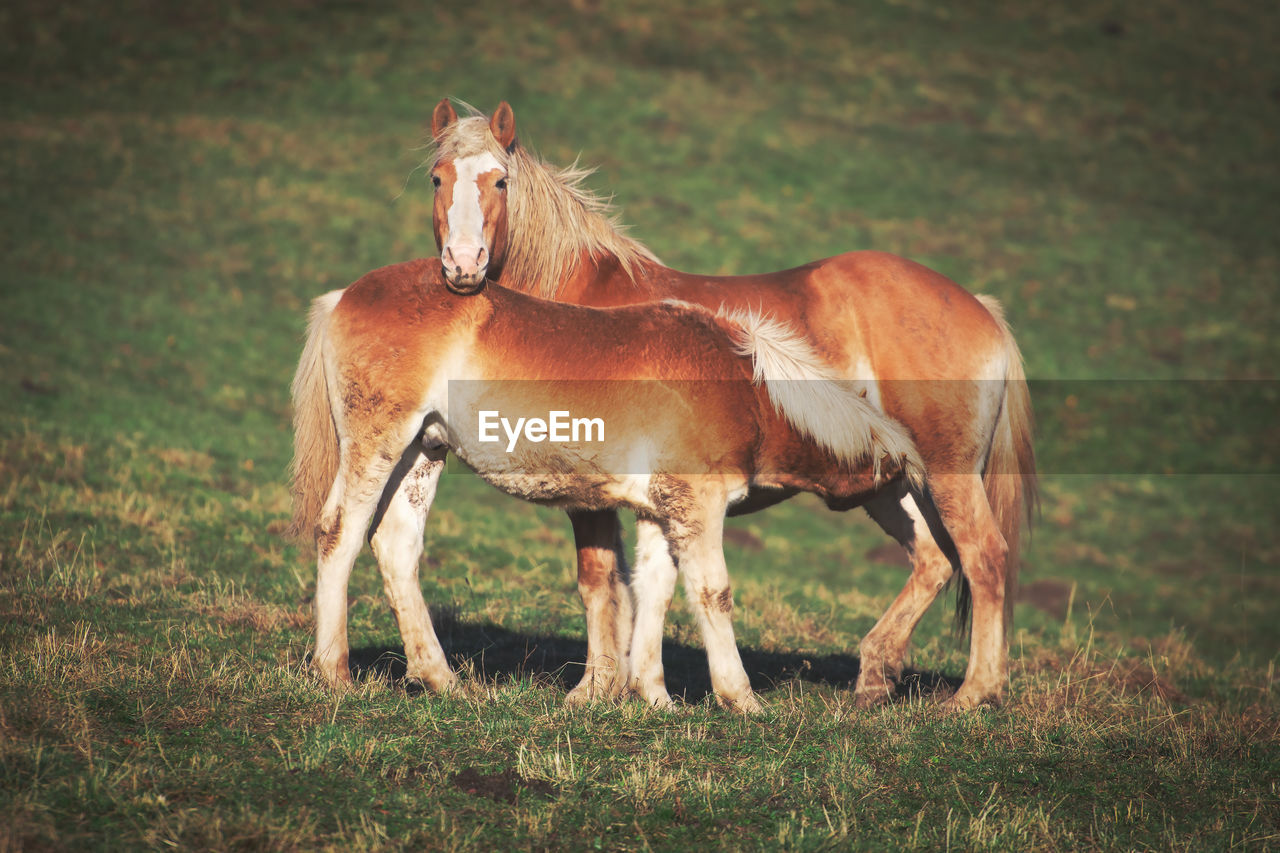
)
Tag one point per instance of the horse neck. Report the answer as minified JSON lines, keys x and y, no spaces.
{"x":561,"y":239}
{"x":592,"y":278}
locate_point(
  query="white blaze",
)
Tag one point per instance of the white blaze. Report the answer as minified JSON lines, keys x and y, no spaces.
{"x":466,"y":220}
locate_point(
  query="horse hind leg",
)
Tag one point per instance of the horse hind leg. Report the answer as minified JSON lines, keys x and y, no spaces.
{"x":606,"y":597}
{"x":339,"y":536}
{"x":885,"y":646}
{"x":397,"y":542}
{"x":984,"y":558}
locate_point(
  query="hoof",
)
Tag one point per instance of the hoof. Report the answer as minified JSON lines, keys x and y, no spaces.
{"x":451,"y":686}
{"x":747,"y":705}
{"x":339,"y":679}
{"x":591,"y":691}
{"x":658,"y":701}
{"x":585,"y":694}
{"x":962,"y":702}
{"x":867,"y":699}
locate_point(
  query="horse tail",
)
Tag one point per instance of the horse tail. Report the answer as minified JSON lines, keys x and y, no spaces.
{"x":315,"y":434}
{"x":1010,"y":475}
{"x":813,"y":399}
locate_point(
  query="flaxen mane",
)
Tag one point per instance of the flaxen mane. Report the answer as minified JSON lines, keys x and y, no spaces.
{"x":553,"y":221}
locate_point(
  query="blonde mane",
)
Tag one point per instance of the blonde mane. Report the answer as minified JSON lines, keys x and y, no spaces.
{"x":552,"y":220}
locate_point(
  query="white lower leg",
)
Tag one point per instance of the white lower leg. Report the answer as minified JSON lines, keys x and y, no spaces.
{"x":624,"y":620}
{"x":331,"y":654}
{"x":342,"y":533}
{"x":397,"y":544}
{"x":652,"y":583}
{"x":706,"y":583}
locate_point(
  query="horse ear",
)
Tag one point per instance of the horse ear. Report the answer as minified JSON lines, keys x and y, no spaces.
{"x":503,"y":125}
{"x":442,"y":116}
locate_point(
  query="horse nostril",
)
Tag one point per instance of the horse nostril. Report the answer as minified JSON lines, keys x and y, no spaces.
{"x":482,"y":257}
{"x":447,"y":257}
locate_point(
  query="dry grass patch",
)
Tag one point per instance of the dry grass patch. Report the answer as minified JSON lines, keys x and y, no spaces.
{"x":779,"y":626}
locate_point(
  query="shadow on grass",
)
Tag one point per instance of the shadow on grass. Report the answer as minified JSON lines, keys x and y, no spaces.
{"x":499,"y":654}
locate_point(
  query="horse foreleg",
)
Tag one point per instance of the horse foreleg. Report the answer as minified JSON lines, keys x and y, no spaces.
{"x":624,"y":615}
{"x":652,"y":583}
{"x":700,"y":555}
{"x":397,"y":543}
{"x":885,"y":646}
{"x":602,"y":583}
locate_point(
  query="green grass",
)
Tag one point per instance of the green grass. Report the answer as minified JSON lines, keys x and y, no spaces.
{"x":177,"y":184}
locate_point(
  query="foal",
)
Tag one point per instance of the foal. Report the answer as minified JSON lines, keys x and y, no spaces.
{"x":398,"y":362}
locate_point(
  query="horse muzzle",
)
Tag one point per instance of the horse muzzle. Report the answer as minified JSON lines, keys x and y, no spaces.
{"x":465,"y":267}
{"x":464,"y":287}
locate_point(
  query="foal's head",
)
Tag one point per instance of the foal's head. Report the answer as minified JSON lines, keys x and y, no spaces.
{"x":470,"y":179}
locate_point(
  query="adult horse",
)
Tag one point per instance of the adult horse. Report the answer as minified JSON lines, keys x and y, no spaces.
{"x":933,"y":356}
{"x":698,"y":408}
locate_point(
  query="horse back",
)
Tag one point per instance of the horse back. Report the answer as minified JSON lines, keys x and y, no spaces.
{"x":865,"y":312}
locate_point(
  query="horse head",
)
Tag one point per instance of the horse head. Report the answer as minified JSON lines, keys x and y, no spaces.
{"x":470,"y":179}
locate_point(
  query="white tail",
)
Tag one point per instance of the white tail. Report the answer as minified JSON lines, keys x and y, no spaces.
{"x":816,"y":401}
{"x":315,"y":438}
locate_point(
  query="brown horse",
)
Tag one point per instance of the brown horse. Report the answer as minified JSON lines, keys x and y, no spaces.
{"x":397,"y":367}
{"x":930,"y":354}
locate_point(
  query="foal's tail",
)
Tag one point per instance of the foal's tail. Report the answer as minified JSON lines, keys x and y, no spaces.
{"x":813,"y":399}
{"x":315,"y":435}
{"x":1010,"y":476}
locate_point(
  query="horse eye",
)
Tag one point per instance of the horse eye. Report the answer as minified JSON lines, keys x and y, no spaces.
{"x":501,"y":184}
{"x":435,"y":181}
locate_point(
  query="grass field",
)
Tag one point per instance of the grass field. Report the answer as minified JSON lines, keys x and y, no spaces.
{"x":179,"y":181}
